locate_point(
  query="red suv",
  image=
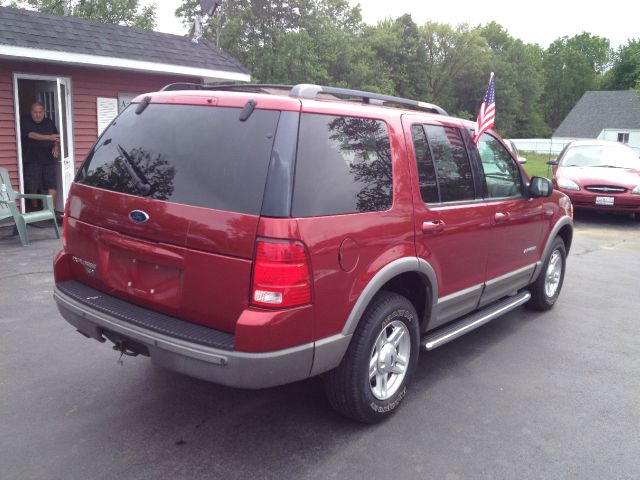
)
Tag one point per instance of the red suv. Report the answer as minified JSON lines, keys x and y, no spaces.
{"x":254,"y":238}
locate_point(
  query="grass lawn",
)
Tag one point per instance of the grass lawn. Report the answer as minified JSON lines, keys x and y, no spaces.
{"x":536,"y":165}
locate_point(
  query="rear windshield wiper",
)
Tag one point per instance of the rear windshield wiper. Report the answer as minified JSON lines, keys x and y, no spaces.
{"x":607,"y":166}
{"x":139,"y":181}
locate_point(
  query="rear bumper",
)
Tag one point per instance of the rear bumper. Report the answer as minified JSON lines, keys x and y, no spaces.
{"x":170,"y":349}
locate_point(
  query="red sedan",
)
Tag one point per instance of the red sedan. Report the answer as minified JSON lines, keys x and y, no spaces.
{"x":599,"y":175}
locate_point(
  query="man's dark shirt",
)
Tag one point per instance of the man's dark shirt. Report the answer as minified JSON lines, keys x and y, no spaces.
{"x":37,"y":151}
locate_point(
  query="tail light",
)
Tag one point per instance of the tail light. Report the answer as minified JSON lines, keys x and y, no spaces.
{"x":281,"y":275}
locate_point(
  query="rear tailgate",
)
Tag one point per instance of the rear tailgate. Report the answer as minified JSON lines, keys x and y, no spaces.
{"x":164,"y":211}
{"x":181,"y":263}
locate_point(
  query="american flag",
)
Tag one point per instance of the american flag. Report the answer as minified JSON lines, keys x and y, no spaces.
{"x":487,"y":115}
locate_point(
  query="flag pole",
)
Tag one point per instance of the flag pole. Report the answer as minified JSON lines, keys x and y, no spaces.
{"x":486,"y":114}
{"x":490,"y":78}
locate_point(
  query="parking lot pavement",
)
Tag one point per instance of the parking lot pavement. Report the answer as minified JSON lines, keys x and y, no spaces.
{"x":530,"y":395}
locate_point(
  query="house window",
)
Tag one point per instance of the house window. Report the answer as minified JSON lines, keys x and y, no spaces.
{"x":623,"y":137}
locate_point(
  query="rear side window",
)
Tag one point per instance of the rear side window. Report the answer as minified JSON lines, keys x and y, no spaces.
{"x":444,"y":170}
{"x":343,"y":166}
{"x":426,"y":169}
{"x":195,"y":155}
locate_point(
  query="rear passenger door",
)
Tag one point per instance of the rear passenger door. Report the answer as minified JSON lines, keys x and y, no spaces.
{"x":516,"y":235}
{"x":452,"y":222}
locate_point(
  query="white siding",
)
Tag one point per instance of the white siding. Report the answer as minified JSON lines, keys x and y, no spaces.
{"x":634,"y":140}
{"x":612,"y":134}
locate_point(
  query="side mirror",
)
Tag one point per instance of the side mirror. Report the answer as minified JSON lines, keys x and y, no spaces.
{"x":522,"y":160}
{"x":553,"y":162}
{"x":540,"y":187}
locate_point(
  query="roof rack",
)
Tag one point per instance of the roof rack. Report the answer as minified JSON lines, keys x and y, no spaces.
{"x":310,"y":91}
{"x":304,"y":90}
{"x":240,"y":87}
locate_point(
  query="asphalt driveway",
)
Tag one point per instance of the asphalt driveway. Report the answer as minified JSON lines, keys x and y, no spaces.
{"x":530,"y":395}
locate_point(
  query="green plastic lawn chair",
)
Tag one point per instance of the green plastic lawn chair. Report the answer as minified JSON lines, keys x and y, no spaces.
{"x":9,"y":210}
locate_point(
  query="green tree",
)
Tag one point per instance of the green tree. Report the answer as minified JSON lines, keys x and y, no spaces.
{"x":119,"y":12}
{"x":319,"y":53}
{"x":572,"y":66}
{"x":519,"y":83}
{"x":625,"y":73}
{"x":454,"y":66}
{"x":398,"y":57}
{"x":325,"y":41}
{"x":275,"y":38}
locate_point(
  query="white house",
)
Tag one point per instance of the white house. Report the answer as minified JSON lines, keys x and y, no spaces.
{"x":605,"y":115}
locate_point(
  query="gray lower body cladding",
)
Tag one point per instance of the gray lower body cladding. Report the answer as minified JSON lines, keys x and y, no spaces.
{"x":178,"y":345}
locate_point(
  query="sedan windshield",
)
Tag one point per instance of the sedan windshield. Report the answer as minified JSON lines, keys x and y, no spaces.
{"x":612,"y":156}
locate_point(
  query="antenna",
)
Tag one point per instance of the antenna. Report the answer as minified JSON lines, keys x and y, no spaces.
{"x":207,"y":8}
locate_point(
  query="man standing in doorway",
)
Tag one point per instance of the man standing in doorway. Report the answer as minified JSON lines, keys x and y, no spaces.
{"x":40,"y":149}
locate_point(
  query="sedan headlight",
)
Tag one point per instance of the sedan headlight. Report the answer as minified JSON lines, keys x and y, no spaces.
{"x":636,"y":190}
{"x":568,"y":184}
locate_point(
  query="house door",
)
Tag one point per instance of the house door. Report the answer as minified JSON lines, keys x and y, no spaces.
{"x":54,"y":94}
{"x":55,"y":98}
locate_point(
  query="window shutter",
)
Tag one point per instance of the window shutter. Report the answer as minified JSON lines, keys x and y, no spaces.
{"x":107,"y":111}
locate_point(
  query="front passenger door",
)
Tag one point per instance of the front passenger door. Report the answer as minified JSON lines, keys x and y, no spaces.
{"x":451,"y":219}
{"x":517,"y":231}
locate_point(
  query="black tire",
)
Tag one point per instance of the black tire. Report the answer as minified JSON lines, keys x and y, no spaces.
{"x":541,"y":300}
{"x":349,"y":387}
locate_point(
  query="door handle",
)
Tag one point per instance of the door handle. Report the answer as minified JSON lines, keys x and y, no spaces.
{"x":500,"y":217}
{"x":433,"y":228}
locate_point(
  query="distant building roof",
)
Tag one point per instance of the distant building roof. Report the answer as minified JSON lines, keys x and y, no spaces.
{"x":596,"y":111}
{"x":29,"y":35}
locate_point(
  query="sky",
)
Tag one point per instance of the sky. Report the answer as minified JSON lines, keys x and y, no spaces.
{"x":540,"y":21}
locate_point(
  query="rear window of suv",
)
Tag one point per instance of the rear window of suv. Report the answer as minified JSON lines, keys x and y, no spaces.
{"x":343,"y":166}
{"x":194,"y":155}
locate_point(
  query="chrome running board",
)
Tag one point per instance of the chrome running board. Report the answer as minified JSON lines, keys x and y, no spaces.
{"x":458,"y":328}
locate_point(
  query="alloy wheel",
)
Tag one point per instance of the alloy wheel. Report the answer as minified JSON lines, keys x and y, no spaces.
{"x":389,"y":360}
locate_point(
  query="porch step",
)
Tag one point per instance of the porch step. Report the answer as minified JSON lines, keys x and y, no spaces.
{"x":469,"y":323}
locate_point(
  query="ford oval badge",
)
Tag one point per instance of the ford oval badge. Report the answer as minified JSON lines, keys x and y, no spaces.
{"x":138,"y":216}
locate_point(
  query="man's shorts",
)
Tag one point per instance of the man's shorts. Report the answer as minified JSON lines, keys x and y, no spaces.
{"x":39,"y":177}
